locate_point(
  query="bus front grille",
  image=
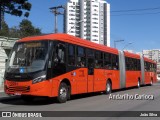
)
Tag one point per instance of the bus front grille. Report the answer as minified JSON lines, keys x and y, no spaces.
{"x":18,"y":89}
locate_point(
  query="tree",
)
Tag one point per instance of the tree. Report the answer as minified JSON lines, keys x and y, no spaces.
{"x":27,"y":29}
{"x":5,"y":29}
{"x":14,"y":32}
{"x":14,"y":7}
{"x":24,"y":29}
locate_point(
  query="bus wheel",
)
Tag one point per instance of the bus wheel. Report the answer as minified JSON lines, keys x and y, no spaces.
{"x":63,"y":93}
{"x":69,"y":93}
{"x":108,"y":87}
{"x":138,"y":84}
{"x":27,"y":99}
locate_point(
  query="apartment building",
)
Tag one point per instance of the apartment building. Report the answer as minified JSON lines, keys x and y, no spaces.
{"x":88,"y":19}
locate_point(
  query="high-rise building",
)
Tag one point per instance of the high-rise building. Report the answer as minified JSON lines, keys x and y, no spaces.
{"x":154,"y":55}
{"x":88,"y":19}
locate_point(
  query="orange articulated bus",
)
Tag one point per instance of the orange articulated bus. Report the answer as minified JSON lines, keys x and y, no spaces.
{"x":61,"y":65}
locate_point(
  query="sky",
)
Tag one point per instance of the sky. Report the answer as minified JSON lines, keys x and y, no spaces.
{"x":137,"y":22}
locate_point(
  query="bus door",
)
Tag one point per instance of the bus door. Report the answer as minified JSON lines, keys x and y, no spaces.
{"x":147,"y":72}
{"x":90,"y":74}
{"x":99,"y":78}
{"x":90,"y":64}
{"x":81,"y":77}
{"x":59,"y":61}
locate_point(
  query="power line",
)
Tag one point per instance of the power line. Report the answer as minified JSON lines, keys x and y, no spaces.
{"x":137,"y":14}
{"x":133,"y":10}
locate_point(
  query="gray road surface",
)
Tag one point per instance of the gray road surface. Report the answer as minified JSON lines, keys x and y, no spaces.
{"x":90,"y":102}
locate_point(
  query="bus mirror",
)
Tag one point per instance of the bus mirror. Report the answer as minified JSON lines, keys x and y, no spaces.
{"x":49,"y":64}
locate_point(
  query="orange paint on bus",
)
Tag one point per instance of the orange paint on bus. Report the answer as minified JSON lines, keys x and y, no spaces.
{"x":79,"y":79}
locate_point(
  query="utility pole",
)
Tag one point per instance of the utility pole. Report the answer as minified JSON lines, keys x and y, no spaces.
{"x":55,"y":11}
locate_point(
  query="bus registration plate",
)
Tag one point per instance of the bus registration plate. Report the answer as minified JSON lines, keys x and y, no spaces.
{"x":17,"y":94}
{"x":13,"y":83}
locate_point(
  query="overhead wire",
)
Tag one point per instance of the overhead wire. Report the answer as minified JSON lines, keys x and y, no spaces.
{"x":133,"y":10}
{"x":130,"y":11}
{"x":136,"y":14}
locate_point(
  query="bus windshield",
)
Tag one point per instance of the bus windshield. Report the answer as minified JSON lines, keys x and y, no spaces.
{"x":28,"y":57}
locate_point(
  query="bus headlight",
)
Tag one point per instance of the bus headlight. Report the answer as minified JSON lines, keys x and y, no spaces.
{"x":39,"y":79}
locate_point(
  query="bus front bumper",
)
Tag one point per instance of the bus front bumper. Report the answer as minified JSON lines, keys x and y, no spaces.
{"x":27,"y":88}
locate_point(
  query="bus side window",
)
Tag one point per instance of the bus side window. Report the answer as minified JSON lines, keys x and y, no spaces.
{"x":81,"y":57}
{"x":138,"y":65}
{"x":107,"y":61}
{"x":90,"y":66}
{"x":59,"y":65}
{"x":98,"y":59}
{"x":128,"y":63}
{"x":115,"y":64}
{"x":90,"y":61}
{"x":71,"y":55}
{"x":60,"y":53}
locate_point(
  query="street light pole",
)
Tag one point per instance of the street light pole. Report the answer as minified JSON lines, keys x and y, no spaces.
{"x":74,"y":25}
{"x":117,"y":41}
{"x":126,"y":45}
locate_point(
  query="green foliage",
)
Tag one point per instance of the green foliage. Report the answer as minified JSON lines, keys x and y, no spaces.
{"x":15,"y":7}
{"x":14,"y":32}
{"x":24,"y":29}
{"x":5,"y":29}
{"x":27,"y":29}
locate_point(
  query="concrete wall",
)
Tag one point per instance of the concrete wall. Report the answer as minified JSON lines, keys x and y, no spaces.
{"x":6,"y":45}
{"x":3,"y":56}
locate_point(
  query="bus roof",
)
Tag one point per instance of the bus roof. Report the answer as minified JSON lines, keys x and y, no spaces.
{"x":149,"y":60}
{"x":71,"y":39}
{"x":82,"y":42}
{"x":132,"y":55}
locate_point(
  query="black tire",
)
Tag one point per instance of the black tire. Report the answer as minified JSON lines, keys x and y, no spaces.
{"x":69,"y":93}
{"x":108,"y":87}
{"x":63,"y":93}
{"x":28,"y":99}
